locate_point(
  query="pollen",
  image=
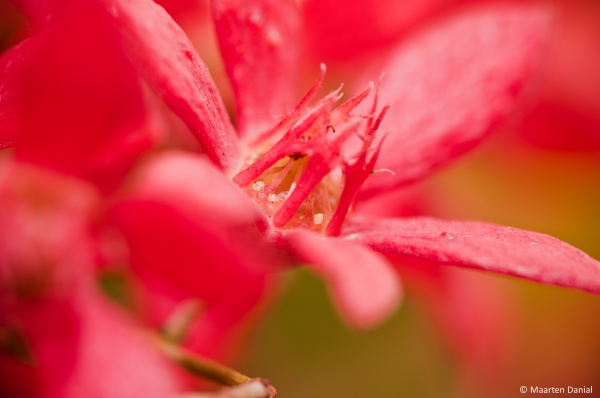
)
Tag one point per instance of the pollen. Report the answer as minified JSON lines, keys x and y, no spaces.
{"x":258,"y":186}
{"x":318,"y":218}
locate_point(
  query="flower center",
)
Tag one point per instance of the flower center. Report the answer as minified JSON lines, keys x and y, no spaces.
{"x":300,"y":172}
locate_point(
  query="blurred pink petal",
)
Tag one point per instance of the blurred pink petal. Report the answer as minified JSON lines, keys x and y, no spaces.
{"x":567,"y":113}
{"x":341,"y":30}
{"x":84,"y":348}
{"x":363,"y":285}
{"x":82,"y":115}
{"x":163,"y":54}
{"x":190,"y":228}
{"x":454,"y":83}
{"x":259,"y":42}
{"x":533,"y":256}
{"x":39,"y":12}
{"x":13,"y":70}
{"x":80,"y":346}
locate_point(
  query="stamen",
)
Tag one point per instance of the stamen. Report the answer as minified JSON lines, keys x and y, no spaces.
{"x":376,"y":96}
{"x":356,"y":174}
{"x":299,"y":109}
{"x":282,"y":174}
{"x":342,"y":113}
{"x":286,"y":146}
{"x":291,"y":180}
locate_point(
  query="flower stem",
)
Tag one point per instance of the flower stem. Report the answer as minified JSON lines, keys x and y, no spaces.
{"x":198,"y":365}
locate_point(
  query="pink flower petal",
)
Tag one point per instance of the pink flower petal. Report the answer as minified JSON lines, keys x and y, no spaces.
{"x":259,"y":40}
{"x":452,"y":84}
{"x":81,"y":110}
{"x":84,"y":348}
{"x":504,"y":250}
{"x":130,"y":366}
{"x":13,"y":72}
{"x":567,"y":115}
{"x":374,"y":24}
{"x":190,"y":182}
{"x":192,"y":234}
{"x":39,"y":12}
{"x":363,"y":284}
{"x":163,"y":54}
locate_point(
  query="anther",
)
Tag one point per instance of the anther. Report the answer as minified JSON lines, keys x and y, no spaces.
{"x":318,"y":218}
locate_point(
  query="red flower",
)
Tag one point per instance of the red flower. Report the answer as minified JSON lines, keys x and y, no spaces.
{"x":214,"y":229}
{"x":449,"y":86}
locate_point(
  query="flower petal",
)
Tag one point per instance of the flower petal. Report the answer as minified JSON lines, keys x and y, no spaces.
{"x":567,"y":115}
{"x":13,"y":72}
{"x":374,"y":24}
{"x":81,"y":109}
{"x":39,"y":12}
{"x":452,"y":84}
{"x":130,"y":365}
{"x":259,"y":40}
{"x":529,"y":255}
{"x":74,"y":338}
{"x":191,"y":183}
{"x":192,"y":234}
{"x":363,"y":284}
{"x":163,"y":54}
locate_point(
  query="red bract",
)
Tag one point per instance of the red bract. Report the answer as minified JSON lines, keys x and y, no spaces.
{"x":449,"y":86}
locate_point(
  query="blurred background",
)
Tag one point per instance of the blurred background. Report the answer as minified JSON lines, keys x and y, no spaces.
{"x":540,"y":173}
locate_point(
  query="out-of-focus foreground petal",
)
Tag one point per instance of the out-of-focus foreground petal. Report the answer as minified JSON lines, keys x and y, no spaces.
{"x":80,"y":111}
{"x":39,"y":12}
{"x":260,"y":44}
{"x":363,"y":285}
{"x":13,"y":72}
{"x":188,"y":227}
{"x":74,"y":344}
{"x":82,"y":347}
{"x":163,"y":54}
{"x":452,"y":84}
{"x":504,"y":250}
